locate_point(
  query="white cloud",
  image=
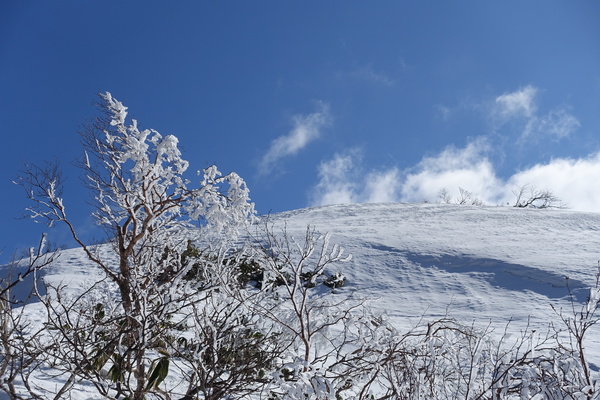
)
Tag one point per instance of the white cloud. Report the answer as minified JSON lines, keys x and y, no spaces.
{"x":306,"y":129}
{"x":574,"y":181}
{"x":517,"y":103}
{"x":382,"y":187}
{"x":335,"y":180}
{"x":452,"y":169}
{"x":342,"y":180}
{"x":571,"y":180}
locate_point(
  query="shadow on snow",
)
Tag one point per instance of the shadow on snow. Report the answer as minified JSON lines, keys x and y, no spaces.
{"x":501,"y":274}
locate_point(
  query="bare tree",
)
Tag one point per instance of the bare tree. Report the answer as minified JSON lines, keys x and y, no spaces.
{"x":528,"y":196}
{"x":444,"y":196}
{"x":467,"y":198}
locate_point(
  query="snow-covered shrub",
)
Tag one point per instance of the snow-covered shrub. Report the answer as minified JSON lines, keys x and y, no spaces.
{"x":445,"y":359}
{"x":314,"y":322}
{"x":20,"y":356}
{"x":228,"y":350}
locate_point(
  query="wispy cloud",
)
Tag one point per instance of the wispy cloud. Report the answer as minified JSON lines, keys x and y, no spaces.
{"x":343,"y":180}
{"x":443,"y":112}
{"x":518,"y":103}
{"x":521,"y":105}
{"x":557,"y":124}
{"x":368,"y":74}
{"x":306,"y":128}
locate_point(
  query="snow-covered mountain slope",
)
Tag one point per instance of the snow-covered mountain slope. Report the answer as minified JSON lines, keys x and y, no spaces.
{"x":477,"y":264}
{"x":419,"y":262}
{"x":482,"y":264}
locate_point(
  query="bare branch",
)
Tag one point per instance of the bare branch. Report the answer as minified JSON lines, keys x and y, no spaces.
{"x":528,"y":196}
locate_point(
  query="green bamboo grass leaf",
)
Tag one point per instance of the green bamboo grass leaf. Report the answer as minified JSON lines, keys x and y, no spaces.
{"x":158,"y":372}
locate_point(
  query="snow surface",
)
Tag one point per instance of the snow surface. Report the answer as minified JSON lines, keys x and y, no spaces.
{"x":481,"y":265}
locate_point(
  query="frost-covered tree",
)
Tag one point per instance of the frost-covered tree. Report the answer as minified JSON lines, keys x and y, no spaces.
{"x":144,"y":202}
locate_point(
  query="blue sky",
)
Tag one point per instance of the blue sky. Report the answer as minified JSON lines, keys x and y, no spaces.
{"x":313,"y":102}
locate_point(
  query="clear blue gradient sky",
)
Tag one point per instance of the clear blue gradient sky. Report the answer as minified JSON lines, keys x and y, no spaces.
{"x":313,"y":102}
